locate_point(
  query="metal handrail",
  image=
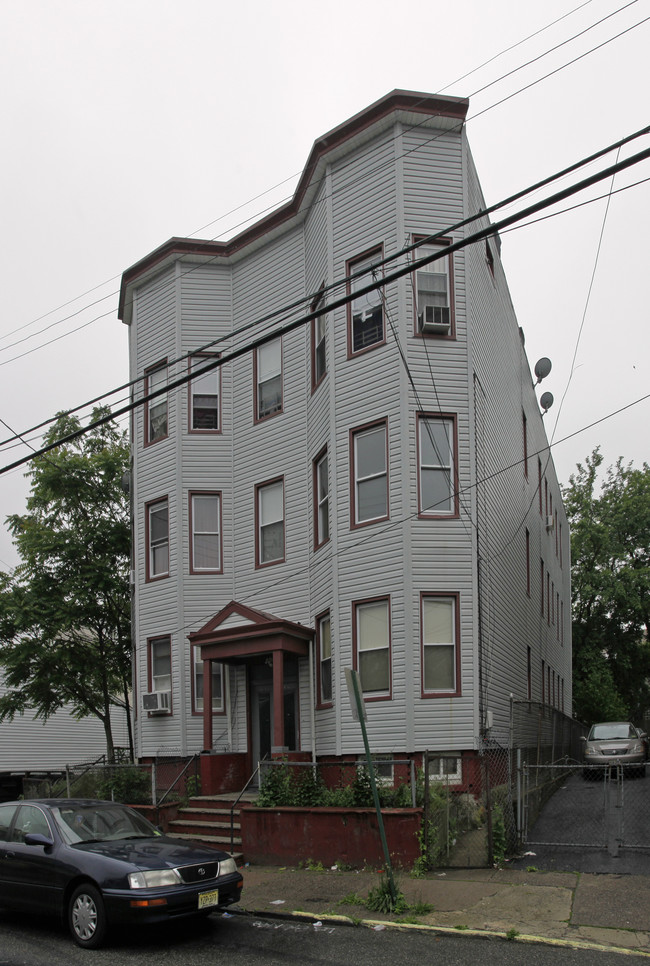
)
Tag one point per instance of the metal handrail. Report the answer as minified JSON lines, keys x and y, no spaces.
{"x":236,"y":803}
{"x":175,"y":782}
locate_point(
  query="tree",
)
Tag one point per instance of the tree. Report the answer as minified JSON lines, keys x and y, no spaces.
{"x":65,"y":634}
{"x":610,"y":550}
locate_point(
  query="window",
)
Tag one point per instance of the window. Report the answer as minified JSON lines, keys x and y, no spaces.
{"x":366,"y":313}
{"x":270,"y":522}
{"x":383,"y":767}
{"x":436,"y":483}
{"x":324,"y":645}
{"x":318,"y":342}
{"x":539,"y":485}
{"x":372,"y":638}
{"x":160,"y":663}
{"x":446,"y":768}
{"x":525,"y":435}
{"x":433,"y":296}
{"x":528,"y":562}
{"x":268,"y":379}
{"x":205,"y":532}
{"x":217,"y":683}
{"x":541,"y":589}
{"x":156,"y":411}
{"x":439,"y":645}
{"x":321,"y":500}
{"x":204,"y":396}
{"x":370,"y":476}
{"x":157,"y":522}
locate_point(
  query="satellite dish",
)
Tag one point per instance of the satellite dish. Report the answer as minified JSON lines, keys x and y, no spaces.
{"x":542,"y":368}
{"x":546,"y":401}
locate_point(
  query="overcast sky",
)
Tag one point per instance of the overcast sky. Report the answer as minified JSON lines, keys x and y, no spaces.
{"x":126,"y":122}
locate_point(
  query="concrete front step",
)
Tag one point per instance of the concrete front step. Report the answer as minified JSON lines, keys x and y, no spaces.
{"x":207,"y":819}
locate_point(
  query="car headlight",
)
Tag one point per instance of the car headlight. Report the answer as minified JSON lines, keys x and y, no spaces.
{"x":227,"y":867}
{"x":154,"y":879}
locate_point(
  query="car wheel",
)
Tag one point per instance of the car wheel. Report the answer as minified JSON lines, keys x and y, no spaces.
{"x":86,"y":917}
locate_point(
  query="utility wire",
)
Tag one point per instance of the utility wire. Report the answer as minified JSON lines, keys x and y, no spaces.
{"x":398,"y":273}
{"x":258,"y":214}
{"x":483,"y":213}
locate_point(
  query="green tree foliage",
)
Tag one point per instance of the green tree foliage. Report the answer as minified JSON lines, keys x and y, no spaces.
{"x":65,"y":634}
{"x":610,"y":549}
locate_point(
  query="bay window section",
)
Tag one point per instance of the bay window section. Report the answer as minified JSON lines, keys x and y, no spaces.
{"x":436,"y":465}
{"x":318,"y":342}
{"x":370,"y":474}
{"x":204,"y":396}
{"x":366,"y":313}
{"x":439,"y":645}
{"x":268,"y":379}
{"x":372,"y":632}
{"x":270,"y":522}
{"x":205,"y":532}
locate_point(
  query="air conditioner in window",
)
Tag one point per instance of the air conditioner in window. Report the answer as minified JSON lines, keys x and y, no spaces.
{"x":157,"y":702}
{"x":550,"y":523}
{"x":434,"y":319}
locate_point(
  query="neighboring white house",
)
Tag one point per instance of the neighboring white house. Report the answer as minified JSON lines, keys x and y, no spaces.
{"x":371,"y":489}
{"x":29,"y":745}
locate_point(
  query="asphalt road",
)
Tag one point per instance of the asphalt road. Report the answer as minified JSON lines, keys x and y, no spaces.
{"x":249,"y":941}
{"x":589,"y":826}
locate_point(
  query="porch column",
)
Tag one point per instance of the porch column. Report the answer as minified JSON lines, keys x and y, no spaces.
{"x":207,"y":705}
{"x":277,"y":744}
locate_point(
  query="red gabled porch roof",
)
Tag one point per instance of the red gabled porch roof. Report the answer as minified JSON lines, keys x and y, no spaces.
{"x":239,"y":632}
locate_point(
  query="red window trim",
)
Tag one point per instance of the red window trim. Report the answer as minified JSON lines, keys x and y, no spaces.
{"x":190,"y":428}
{"x":163,"y":364}
{"x":453,"y":418}
{"x":379,"y":696}
{"x":319,"y":700}
{"x":324,"y":452}
{"x":256,"y":417}
{"x":455,"y":596}
{"x":451,"y":335}
{"x":199,"y":714}
{"x":316,"y":302}
{"x":190,"y":516}
{"x":270,"y":563}
{"x":149,"y":577}
{"x":350,"y":270}
{"x":151,"y":640}
{"x":354,"y":525}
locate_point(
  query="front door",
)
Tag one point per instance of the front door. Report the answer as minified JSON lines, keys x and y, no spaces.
{"x":261,"y":694}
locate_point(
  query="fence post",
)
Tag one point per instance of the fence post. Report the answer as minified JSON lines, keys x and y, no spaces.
{"x":153,"y":783}
{"x":488,"y":809}
{"x":67,"y":780}
{"x":413,"y":789}
{"x":426,"y":809}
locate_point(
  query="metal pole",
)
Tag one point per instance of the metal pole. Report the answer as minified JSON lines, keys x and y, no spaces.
{"x":373,"y":785}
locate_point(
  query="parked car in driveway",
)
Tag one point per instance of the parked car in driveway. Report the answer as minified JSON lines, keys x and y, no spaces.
{"x":96,"y":864}
{"x":614,"y":743}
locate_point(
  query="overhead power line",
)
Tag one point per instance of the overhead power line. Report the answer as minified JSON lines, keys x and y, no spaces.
{"x":308,"y":299}
{"x":393,"y":276}
{"x":258,"y":214}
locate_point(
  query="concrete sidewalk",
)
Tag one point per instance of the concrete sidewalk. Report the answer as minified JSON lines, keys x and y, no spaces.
{"x":597,"y":911}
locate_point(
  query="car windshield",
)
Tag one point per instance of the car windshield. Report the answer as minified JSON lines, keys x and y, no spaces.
{"x":92,"y":822}
{"x":606,"y":732}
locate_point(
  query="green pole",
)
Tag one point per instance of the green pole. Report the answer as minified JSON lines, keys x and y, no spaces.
{"x":373,"y":785}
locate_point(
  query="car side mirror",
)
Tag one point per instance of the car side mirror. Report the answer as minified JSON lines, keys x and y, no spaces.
{"x":36,"y":838}
{"x":582,"y":738}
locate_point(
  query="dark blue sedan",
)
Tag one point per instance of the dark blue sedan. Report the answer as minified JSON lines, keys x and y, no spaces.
{"x":99,"y":863}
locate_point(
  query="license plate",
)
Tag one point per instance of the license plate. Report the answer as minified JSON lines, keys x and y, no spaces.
{"x":207,"y":899}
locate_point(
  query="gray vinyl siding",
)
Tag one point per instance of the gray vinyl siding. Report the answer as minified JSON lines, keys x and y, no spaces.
{"x":403,"y":182}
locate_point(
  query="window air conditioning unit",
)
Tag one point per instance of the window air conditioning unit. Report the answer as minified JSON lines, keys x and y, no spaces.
{"x":434,"y":319}
{"x":550,"y":523}
{"x":156,"y":702}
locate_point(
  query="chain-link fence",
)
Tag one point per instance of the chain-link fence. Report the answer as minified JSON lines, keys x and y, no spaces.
{"x":151,"y":783}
